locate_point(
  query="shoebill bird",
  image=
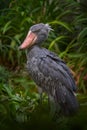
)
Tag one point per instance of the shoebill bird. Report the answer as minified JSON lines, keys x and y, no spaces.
{"x":49,"y":72}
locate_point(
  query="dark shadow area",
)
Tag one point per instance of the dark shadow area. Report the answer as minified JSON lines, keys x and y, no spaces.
{"x":40,"y":120}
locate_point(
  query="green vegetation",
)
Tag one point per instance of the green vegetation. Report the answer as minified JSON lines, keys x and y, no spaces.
{"x":19,"y":99}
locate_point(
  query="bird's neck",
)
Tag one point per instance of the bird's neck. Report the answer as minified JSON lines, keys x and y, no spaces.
{"x":32,"y":47}
{"x":32,"y":51}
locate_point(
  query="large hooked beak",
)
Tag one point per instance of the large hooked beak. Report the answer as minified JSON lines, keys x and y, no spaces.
{"x":29,"y":40}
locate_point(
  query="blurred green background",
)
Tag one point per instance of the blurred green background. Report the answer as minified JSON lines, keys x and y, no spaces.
{"x":19,"y":99}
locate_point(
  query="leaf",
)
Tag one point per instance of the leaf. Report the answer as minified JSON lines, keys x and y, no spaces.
{"x":76,"y":55}
{"x":64,"y":13}
{"x":56,"y":40}
{"x":8,"y":90}
{"x":65,"y":25}
{"x":6,"y":27}
{"x":82,"y":34}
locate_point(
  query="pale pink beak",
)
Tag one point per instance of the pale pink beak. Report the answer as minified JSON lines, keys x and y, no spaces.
{"x":29,"y":40}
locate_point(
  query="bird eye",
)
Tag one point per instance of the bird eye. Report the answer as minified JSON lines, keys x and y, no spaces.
{"x":34,"y":28}
{"x":37,"y":30}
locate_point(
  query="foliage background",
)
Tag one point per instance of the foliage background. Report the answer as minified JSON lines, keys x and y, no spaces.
{"x":18,"y":94}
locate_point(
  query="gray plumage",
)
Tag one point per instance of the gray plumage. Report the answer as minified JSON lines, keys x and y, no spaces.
{"x":51,"y":73}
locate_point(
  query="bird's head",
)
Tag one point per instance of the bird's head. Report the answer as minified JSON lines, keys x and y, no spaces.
{"x":36,"y":35}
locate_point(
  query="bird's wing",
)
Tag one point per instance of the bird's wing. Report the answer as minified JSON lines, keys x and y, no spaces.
{"x":57,"y":81}
{"x":52,"y":66}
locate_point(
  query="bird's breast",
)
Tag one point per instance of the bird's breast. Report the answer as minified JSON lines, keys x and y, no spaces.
{"x":40,"y":79}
